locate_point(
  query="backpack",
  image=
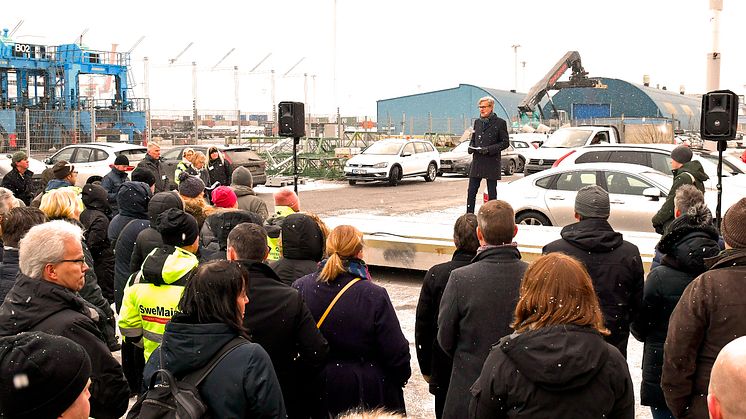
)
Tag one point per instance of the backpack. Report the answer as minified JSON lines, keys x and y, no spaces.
{"x":178,"y":398}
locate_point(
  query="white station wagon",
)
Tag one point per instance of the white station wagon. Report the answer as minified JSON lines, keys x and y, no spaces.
{"x":392,"y":159}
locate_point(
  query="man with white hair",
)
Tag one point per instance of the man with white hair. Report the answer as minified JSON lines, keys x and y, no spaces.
{"x":728,"y":378}
{"x":489,"y":138}
{"x":44,"y":298}
{"x":152,"y":162}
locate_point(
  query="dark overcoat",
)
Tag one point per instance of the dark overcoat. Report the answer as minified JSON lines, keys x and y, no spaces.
{"x":491,"y":135}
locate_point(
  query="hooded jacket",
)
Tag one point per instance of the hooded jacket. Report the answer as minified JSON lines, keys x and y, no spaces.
{"x":242,"y":385}
{"x":213,"y":236}
{"x":274,"y":229}
{"x":615,"y":266}
{"x":687,"y":243}
{"x":708,"y":316}
{"x":691,"y":173}
{"x":111,"y":183}
{"x":564,"y":371}
{"x":247,"y":200}
{"x":152,"y":295}
{"x":8,"y":271}
{"x":149,"y":238}
{"x":133,"y":198}
{"x":95,"y":221}
{"x":302,"y":248}
{"x":39,"y":305}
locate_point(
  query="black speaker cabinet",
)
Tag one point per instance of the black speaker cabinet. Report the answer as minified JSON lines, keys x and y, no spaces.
{"x":719,"y":115}
{"x":292,"y":119}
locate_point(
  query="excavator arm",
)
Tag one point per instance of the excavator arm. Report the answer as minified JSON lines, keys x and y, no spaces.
{"x":578,"y":78}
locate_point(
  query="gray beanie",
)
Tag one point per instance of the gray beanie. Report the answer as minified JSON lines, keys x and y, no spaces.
{"x":190,"y":186}
{"x":592,"y":202}
{"x":682,"y":154}
{"x":242,"y":176}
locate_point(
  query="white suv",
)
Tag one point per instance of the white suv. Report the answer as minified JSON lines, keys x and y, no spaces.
{"x":94,"y":160}
{"x":392,"y":159}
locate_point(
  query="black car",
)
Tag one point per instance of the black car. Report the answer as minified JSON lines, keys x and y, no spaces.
{"x":234,"y":155}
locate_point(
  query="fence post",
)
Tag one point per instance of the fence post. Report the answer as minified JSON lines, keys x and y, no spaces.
{"x":28,"y":132}
{"x":93,"y":124}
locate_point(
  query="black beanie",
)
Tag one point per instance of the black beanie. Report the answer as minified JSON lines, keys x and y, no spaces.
{"x":143,"y":175}
{"x":41,"y":375}
{"x":177,"y":227}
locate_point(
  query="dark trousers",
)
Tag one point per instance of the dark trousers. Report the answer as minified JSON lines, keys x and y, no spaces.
{"x":440,"y":401}
{"x":133,"y":364}
{"x":471,"y":196}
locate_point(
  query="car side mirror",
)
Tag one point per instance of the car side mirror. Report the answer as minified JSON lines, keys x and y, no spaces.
{"x":652,"y":193}
{"x":406,"y":154}
{"x":48,"y":160}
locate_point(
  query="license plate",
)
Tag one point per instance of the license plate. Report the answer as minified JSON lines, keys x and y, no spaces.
{"x":359,"y":171}
{"x":445,"y":166}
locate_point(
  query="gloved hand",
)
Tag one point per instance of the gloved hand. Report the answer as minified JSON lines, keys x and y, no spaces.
{"x":484,"y":151}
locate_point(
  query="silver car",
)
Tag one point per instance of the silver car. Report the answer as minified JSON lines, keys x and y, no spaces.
{"x":636,"y":193}
{"x":458,"y":160}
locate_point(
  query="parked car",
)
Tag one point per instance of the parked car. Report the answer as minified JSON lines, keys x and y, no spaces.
{"x":235,"y":156}
{"x":94,"y":160}
{"x":636,"y":193}
{"x":34,"y":165}
{"x":458,"y":160}
{"x":392,"y":159}
{"x":658,"y":157}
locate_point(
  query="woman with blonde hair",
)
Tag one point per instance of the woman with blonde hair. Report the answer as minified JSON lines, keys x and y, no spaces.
{"x":556,"y":364}
{"x":185,"y":165}
{"x":62,"y":203}
{"x":369,"y":357}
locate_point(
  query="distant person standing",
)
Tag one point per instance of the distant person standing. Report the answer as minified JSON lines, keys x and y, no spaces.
{"x":490,"y":137}
{"x":19,"y":179}
{"x":152,"y":162}
{"x":218,"y":167}
{"x":114,"y":180}
{"x":685,"y":172}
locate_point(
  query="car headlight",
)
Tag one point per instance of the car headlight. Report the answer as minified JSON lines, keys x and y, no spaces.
{"x":380,"y":165}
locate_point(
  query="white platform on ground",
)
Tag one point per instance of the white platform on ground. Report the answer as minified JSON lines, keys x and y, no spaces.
{"x":419,"y":241}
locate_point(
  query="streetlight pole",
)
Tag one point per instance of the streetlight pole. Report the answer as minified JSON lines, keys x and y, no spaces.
{"x":515,"y":52}
{"x":713,"y":58}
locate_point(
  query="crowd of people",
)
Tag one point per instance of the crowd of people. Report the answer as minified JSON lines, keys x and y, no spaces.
{"x":279,"y":317}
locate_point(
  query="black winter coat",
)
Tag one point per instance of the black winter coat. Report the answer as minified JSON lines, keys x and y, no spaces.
{"x":149,"y":238}
{"x":39,"y":305}
{"x":475,"y":312}
{"x":95,"y":222}
{"x":8,"y":271}
{"x":213,"y":235}
{"x":123,"y":248}
{"x":133,"y":199}
{"x":369,"y":360}
{"x":302,"y":248}
{"x":433,"y":361}
{"x":686,"y":247}
{"x":279,"y":320}
{"x":111,"y":183}
{"x":242,"y":385}
{"x":709,"y":315}
{"x":615,"y":267}
{"x":161,"y":180}
{"x":22,"y":186}
{"x":219,"y":171}
{"x":491,"y":135}
{"x":562,"y":371}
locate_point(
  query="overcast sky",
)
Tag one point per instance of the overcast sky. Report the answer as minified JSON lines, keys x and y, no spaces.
{"x":388,"y":48}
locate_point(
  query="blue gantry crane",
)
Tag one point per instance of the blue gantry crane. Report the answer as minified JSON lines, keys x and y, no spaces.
{"x":47,"y":78}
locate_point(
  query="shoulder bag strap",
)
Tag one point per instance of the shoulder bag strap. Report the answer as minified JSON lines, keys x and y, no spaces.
{"x":196,"y":377}
{"x":334,"y":301}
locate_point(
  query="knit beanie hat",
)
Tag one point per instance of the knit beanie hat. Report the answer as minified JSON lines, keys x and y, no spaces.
{"x":177,"y":227}
{"x":18,"y":156}
{"x":242,"y":176}
{"x":682,"y":154}
{"x":286,"y":197}
{"x":732,"y":227}
{"x":121,"y":160}
{"x":592,"y":202}
{"x":41,"y":375}
{"x":62,"y":168}
{"x":224,"y":197}
{"x":190,"y":186}
{"x":143,"y":175}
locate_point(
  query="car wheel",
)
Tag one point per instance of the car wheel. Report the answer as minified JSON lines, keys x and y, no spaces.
{"x":395,"y":175}
{"x":432,"y":172}
{"x":352,"y":182}
{"x":521,"y":165}
{"x":510,"y":168}
{"x":532,"y":218}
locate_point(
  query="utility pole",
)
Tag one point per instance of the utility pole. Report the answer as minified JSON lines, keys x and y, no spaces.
{"x":194,"y":100}
{"x":515,"y":52}
{"x":235,"y":95}
{"x":713,"y":58}
{"x":146,"y":94}
{"x":275,"y":123}
{"x":305,"y":102}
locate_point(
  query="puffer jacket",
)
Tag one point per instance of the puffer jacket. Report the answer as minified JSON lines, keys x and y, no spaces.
{"x":563,"y":371}
{"x":95,"y":220}
{"x":149,"y":238}
{"x":133,"y":198}
{"x":615,"y":266}
{"x":213,"y":236}
{"x":689,"y":241}
{"x":152,"y":295}
{"x":302,"y":248}
{"x":691,"y":173}
{"x":8,"y":271}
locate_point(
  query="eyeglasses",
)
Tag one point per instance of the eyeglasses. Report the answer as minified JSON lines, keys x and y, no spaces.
{"x":81,"y":262}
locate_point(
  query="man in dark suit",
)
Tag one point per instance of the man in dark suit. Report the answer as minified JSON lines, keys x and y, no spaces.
{"x":490,"y":137}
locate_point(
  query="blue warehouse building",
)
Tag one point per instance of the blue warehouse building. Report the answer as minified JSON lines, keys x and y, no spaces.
{"x":453,"y":110}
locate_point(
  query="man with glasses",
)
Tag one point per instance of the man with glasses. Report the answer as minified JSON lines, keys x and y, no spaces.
{"x":64,"y":175}
{"x":44,"y":298}
{"x":489,"y":138}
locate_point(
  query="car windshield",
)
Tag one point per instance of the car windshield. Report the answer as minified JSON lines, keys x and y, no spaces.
{"x":567,"y":138}
{"x":728,"y":167}
{"x":383,"y":148}
{"x":463,"y":147}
